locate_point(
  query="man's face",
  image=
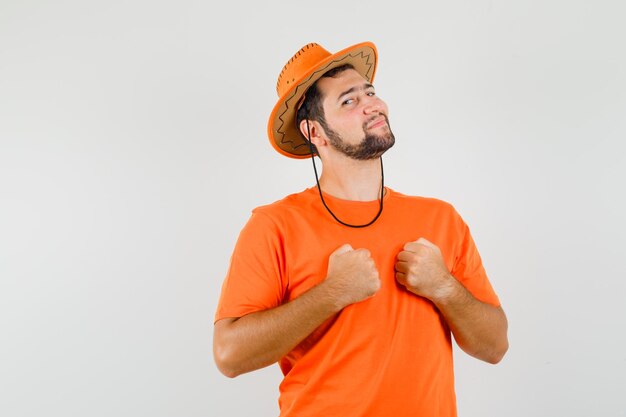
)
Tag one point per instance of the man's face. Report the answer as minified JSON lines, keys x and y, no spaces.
{"x":356,"y":119}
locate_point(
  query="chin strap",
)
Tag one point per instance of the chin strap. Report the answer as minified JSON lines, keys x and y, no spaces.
{"x":382,"y":187}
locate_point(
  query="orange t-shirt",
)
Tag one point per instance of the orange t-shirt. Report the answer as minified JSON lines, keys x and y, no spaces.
{"x":389,"y":355}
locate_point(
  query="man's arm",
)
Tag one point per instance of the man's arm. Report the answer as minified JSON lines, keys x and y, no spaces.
{"x":480,"y":329}
{"x":260,"y":339}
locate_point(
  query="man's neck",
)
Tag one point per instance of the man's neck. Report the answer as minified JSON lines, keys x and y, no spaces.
{"x":349,"y":179}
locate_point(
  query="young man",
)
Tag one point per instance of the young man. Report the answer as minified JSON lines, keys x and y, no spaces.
{"x":352,"y":287}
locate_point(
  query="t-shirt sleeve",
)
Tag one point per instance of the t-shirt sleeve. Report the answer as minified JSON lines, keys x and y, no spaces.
{"x":256,"y":274}
{"x":468,"y":268}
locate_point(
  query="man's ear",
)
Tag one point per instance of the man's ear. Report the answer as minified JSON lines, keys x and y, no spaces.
{"x":317,"y":133}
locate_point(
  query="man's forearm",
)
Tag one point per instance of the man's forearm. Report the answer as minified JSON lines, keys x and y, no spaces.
{"x":480,"y":329}
{"x":260,"y":339}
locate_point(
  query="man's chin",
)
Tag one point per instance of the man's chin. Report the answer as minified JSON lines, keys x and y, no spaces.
{"x":377,"y":152}
{"x":382,"y":151}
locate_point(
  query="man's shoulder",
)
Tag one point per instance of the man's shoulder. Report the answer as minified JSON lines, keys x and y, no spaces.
{"x":424,"y":202}
{"x":290,"y":204}
{"x":431,"y":210}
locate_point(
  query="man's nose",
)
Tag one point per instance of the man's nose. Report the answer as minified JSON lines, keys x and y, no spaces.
{"x":372,"y":105}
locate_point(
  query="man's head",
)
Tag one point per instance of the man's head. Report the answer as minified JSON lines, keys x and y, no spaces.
{"x":297,"y":76}
{"x":357,"y":125}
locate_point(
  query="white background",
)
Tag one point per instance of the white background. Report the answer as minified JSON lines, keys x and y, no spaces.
{"x":133,"y":147}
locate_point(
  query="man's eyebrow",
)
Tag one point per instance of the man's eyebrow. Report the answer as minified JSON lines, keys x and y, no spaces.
{"x":365,"y":86}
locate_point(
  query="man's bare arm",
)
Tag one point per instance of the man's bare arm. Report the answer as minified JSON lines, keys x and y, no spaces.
{"x":259,"y":339}
{"x":480,"y":329}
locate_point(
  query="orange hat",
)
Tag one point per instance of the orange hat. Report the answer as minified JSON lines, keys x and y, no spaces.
{"x":300,"y":72}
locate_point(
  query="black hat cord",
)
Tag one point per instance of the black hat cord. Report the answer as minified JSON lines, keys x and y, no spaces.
{"x":382,"y":186}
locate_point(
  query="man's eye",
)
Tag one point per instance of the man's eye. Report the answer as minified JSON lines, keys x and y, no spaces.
{"x":348,"y":101}
{"x":371,"y":93}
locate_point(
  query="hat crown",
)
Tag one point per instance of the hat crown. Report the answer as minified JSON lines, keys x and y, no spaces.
{"x":303,"y":60}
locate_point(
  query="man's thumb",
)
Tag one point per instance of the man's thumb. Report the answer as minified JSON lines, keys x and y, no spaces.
{"x":343,"y":249}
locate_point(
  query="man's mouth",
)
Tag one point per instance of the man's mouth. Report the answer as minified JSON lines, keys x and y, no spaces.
{"x":377,"y":121}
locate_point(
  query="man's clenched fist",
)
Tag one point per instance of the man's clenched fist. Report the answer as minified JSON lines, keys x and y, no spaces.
{"x":352,"y":275}
{"x":420,"y":268}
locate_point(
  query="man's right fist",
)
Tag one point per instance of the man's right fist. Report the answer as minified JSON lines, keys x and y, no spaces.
{"x":352,"y":275}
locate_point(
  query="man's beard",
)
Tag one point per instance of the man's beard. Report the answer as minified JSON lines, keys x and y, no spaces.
{"x":371,"y":147}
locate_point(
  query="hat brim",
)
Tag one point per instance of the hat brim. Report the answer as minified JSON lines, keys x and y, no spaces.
{"x":283,"y":133}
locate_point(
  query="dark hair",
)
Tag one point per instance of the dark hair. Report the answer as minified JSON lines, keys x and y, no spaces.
{"x":312,"y":108}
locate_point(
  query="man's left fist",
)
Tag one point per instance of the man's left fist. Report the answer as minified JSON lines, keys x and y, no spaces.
{"x":420,"y":268}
